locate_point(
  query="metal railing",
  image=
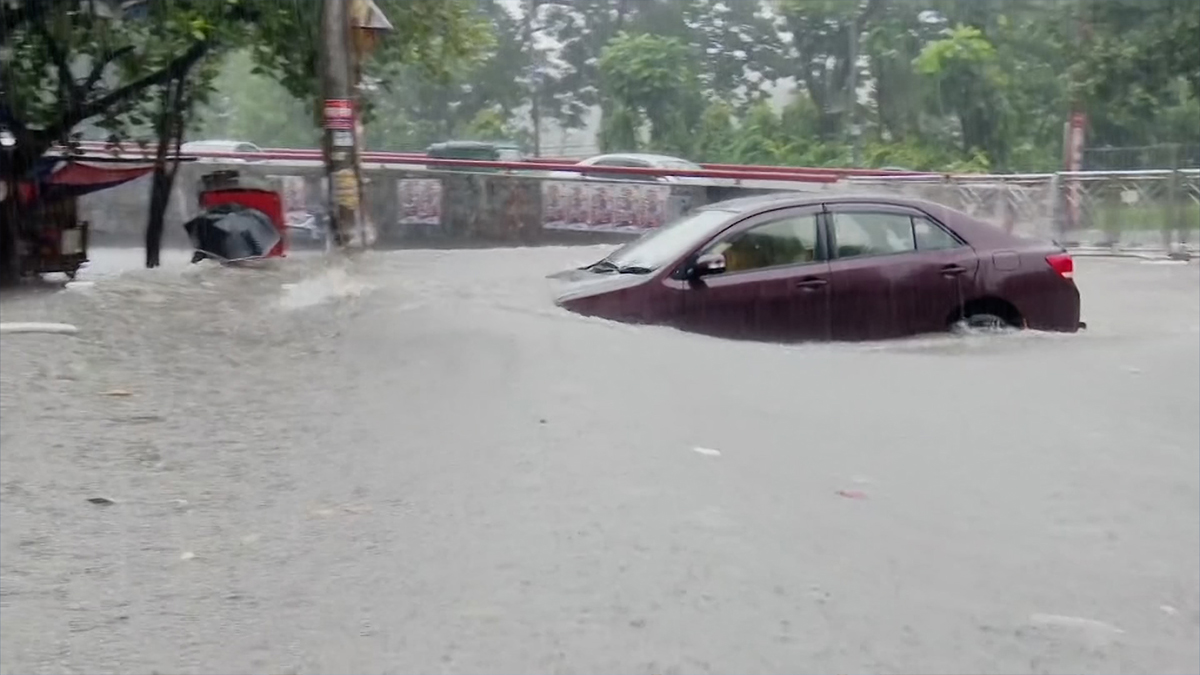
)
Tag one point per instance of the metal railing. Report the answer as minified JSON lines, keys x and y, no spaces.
{"x":1111,"y":209}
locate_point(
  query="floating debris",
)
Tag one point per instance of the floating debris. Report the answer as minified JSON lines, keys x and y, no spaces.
{"x":1073,"y":622}
{"x":38,"y":327}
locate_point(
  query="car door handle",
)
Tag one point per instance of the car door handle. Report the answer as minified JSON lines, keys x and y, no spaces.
{"x":811,"y":283}
{"x":953,"y":270}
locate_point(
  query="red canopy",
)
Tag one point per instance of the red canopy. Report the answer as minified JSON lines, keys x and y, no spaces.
{"x":66,"y":177}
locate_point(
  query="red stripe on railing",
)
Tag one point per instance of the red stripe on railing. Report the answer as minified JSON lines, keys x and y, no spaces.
{"x":386,"y":155}
{"x":724,"y":171}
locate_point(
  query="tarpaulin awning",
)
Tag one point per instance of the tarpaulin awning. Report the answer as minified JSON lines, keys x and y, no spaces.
{"x":56,"y":178}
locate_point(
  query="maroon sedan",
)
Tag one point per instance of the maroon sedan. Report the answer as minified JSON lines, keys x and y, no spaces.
{"x":792,"y":267}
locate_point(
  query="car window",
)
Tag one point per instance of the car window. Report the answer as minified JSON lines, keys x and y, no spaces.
{"x":931,"y":237}
{"x":668,"y":243}
{"x":859,"y":234}
{"x":247,"y":147}
{"x":788,"y":241}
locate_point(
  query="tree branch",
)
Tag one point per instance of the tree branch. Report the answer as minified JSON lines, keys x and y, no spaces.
{"x":31,"y":10}
{"x":98,"y":68}
{"x":88,"y":109}
{"x":66,"y":80}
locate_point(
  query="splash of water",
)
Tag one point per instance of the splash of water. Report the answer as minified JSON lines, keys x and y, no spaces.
{"x":330,"y":284}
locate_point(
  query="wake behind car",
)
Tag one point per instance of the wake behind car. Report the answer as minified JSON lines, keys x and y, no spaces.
{"x":795,"y":267}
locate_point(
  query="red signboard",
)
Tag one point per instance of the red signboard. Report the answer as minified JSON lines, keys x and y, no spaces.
{"x":339,"y":114}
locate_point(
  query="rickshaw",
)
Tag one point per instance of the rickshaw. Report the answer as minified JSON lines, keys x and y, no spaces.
{"x":55,"y":240}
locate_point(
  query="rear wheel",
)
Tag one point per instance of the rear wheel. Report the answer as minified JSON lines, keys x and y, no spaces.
{"x":986,"y":321}
{"x":989,"y":315}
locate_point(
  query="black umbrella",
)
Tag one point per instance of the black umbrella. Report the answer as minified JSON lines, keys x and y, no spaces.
{"x":231,"y":232}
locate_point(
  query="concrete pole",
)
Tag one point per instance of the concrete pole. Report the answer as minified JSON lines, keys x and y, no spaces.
{"x":340,"y":143}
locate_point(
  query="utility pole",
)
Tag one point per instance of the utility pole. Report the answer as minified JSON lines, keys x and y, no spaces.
{"x":338,"y":120}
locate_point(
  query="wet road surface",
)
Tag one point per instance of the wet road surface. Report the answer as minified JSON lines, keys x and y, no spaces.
{"x":418,"y":464}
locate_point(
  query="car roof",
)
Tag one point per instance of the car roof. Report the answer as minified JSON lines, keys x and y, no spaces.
{"x":215,"y":144}
{"x":466,"y":144}
{"x":644,"y":156}
{"x":972,"y":228}
{"x":784,"y":199}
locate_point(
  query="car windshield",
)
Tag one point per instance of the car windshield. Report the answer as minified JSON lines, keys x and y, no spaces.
{"x":667,"y":243}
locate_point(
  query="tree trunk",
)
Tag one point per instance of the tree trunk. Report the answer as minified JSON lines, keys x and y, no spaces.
{"x":170,"y":126}
{"x":10,"y":261}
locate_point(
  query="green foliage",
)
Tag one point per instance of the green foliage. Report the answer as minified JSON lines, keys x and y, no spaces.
{"x":654,"y":79}
{"x":431,"y":35}
{"x":937,"y":84}
{"x":230,"y":113}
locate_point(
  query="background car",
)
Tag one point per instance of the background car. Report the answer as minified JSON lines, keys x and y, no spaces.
{"x":476,"y":150}
{"x":791,"y":267}
{"x":647,"y":161}
{"x":219,"y":146}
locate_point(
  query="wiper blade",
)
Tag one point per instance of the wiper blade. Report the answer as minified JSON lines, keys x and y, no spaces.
{"x":605,"y":265}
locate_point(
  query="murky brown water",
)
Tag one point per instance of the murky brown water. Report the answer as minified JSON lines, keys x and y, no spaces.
{"x":416,"y":463}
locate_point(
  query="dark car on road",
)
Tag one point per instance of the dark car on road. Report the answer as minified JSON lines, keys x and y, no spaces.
{"x":794,"y":267}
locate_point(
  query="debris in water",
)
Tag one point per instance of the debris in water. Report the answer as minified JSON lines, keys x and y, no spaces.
{"x":852,"y":494}
{"x":251,"y":538}
{"x":1075,"y":622}
{"x":707,"y":452}
{"x":187,"y":555}
{"x":118,"y":393}
{"x":101,"y":501}
{"x":80,"y":285}
{"x":1168,"y":610}
{"x":38,"y":327}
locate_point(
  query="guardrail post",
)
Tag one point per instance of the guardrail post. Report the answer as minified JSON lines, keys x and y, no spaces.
{"x":1173,"y":231}
{"x":1057,"y":222}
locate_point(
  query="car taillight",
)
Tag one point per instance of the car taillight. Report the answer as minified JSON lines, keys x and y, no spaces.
{"x":1063,"y":264}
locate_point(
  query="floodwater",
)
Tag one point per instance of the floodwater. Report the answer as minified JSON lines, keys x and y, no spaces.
{"x":415,"y":463}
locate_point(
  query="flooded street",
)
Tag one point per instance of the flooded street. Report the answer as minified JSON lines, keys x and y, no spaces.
{"x":416,"y":463}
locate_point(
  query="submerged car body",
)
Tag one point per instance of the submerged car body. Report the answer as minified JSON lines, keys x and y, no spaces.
{"x":794,"y":267}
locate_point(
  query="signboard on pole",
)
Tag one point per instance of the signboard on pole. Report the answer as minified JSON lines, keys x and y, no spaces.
{"x":339,"y":114}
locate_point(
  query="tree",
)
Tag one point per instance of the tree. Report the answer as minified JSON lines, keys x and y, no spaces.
{"x":68,"y":62}
{"x":823,"y":34}
{"x":1130,"y":54}
{"x":433,"y":36}
{"x":654,"y":80}
{"x":251,"y":106}
{"x":963,"y":71}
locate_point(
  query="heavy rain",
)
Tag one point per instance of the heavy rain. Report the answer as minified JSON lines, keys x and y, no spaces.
{"x":390,"y":450}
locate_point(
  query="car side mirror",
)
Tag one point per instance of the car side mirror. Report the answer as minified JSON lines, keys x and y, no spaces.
{"x":708,"y":265}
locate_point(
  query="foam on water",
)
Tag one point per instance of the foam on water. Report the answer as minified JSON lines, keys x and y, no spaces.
{"x":326,"y":285}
